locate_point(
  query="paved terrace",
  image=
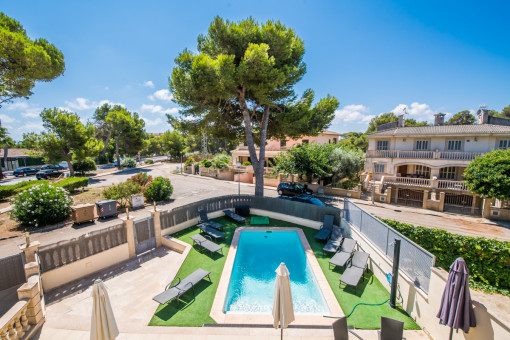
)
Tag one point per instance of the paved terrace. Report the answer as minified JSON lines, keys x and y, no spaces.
{"x":131,"y":286}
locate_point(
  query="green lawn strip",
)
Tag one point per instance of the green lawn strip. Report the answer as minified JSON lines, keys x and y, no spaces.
{"x":369,"y":291}
{"x":195,"y":312}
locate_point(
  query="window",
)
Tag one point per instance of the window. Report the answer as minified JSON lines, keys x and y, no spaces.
{"x":454,"y":145}
{"x":379,"y":168}
{"x":382,"y":145}
{"x":447,"y":173}
{"x":422,"y":170}
{"x":422,"y":145}
{"x":504,"y":144}
{"x":305,"y":141}
{"x":283,"y":143}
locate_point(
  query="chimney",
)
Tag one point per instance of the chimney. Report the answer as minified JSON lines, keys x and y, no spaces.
{"x":439,"y":119}
{"x":400,"y":122}
{"x":484,"y":117}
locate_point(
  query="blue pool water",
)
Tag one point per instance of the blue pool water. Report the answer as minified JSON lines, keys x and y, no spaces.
{"x":251,"y":285}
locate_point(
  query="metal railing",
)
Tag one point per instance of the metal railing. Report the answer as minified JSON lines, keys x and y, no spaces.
{"x":452,"y":185}
{"x":415,"y":261}
{"x":419,"y":154}
{"x":418,"y":182}
{"x":61,"y":253}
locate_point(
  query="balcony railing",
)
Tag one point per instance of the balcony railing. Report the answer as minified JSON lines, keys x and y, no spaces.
{"x":14,"y":323}
{"x":268,"y":148}
{"x":425,"y":183}
{"x":405,"y":154}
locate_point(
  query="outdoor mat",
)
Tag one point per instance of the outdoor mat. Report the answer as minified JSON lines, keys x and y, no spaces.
{"x":259,"y":220}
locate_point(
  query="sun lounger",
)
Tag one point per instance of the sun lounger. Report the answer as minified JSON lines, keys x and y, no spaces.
{"x":356,"y":269}
{"x":326,"y":228}
{"x":206,"y":244}
{"x":334,"y":241}
{"x":344,"y":254}
{"x":204,"y":227}
{"x":205,"y":220}
{"x":174,"y":291}
{"x":233,"y":215}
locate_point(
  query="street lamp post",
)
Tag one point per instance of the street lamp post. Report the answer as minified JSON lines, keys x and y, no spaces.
{"x":238,"y":164}
{"x":373,"y":182}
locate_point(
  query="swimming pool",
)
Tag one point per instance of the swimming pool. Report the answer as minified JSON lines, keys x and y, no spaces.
{"x":251,"y":285}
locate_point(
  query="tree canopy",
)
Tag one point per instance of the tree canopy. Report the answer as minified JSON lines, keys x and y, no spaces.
{"x":66,"y":137}
{"x":489,"y":175}
{"x":24,"y":61}
{"x":462,"y":118}
{"x":354,"y":141}
{"x":239,"y":86}
{"x":390,"y":117}
{"x":103,"y":129}
{"x":173,"y":143}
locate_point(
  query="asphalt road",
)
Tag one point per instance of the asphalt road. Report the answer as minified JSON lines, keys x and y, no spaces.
{"x":187,"y":189}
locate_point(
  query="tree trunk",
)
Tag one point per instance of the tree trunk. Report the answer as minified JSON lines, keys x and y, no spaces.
{"x":6,"y":150}
{"x":70,"y":165}
{"x":119,"y":166}
{"x":106,"y":143}
{"x":257,"y":162}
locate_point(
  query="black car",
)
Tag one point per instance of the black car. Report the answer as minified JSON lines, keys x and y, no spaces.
{"x":45,"y":174}
{"x":292,"y":189}
{"x":24,"y":172}
{"x":51,"y":167}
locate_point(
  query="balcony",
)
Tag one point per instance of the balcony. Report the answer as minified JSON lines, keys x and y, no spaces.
{"x":438,"y":184}
{"x":444,"y":155}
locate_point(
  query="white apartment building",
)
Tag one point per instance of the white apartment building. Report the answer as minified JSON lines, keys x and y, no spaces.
{"x":431,"y":159}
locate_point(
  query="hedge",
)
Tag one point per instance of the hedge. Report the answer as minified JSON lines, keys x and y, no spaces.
{"x":488,"y":260}
{"x":72,"y":183}
{"x":11,"y":190}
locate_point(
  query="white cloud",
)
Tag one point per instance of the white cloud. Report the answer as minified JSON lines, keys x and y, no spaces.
{"x":416,"y":110}
{"x":17,"y":106}
{"x":152,"y":122}
{"x":158,"y":109}
{"x":161,"y":95}
{"x":78,"y":104}
{"x":353,"y":113}
{"x":7,"y":119}
{"x":149,"y":83}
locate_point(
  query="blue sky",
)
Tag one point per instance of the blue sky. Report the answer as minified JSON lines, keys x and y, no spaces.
{"x":374,"y":56}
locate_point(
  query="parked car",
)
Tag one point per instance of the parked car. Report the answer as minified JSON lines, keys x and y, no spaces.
{"x":24,"y":172}
{"x":292,"y":189}
{"x":63,"y":164}
{"x":115,"y":162}
{"x":309,"y":199}
{"x":45,"y":174}
{"x":52,"y":166}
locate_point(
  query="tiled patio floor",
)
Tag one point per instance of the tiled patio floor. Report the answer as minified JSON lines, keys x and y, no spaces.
{"x":131,"y":286}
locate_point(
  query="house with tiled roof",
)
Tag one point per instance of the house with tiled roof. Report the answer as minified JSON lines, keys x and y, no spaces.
{"x":420,"y":163}
{"x":18,"y":157}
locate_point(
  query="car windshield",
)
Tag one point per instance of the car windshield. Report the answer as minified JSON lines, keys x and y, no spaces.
{"x":299,"y":186}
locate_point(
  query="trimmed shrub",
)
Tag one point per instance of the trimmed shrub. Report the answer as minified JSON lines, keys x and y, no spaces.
{"x":246,"y":163}
{"x":149,"y":161}
{"x":221,"y":161}
{"x":122,"y":192}
{"x":72,"y":183}
{"x":11,"y":190}
{"x":206,"y":163}
{"x":488,"y":260}
{"x":128,"y":162}
{"x":140,"y":178}
{"x":41,"y":205}
{"x":159,"y":189}
{"x":189,"y":161}
{"x":84,"y":166}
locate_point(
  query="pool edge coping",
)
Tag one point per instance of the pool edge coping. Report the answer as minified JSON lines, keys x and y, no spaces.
{"x":219,"y":316}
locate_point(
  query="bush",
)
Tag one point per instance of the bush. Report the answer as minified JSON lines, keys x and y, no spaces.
{"x":103,"y":159}
{"x":122,"y":192}
{"x":140,"y":178}
{"x":189,"y":161}
{"x":348,"y":184}
{"x":41,"y":205}
{"x":149,"y":161}
{"x":221,"y":160}
{"x":128,"y":162}
{"x":72,"y":183}
{"x":10,"y":190}
{"x":488,"y":260}
{"x":246,"y":163}
{"x":159,"y":189}
{"x":84,"y":166}
{"x":206,"y":163}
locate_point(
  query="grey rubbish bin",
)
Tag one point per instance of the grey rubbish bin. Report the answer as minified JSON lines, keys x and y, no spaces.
{"x":107,"y":208}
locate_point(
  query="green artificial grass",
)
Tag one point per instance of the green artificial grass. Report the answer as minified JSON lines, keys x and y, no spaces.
{"x":259,"y":220}
{"x":194,"y":312}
